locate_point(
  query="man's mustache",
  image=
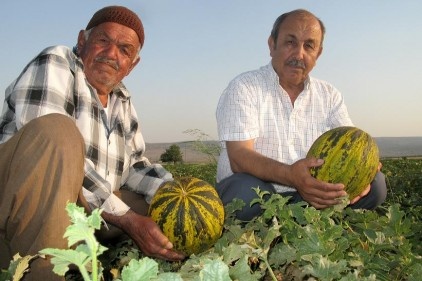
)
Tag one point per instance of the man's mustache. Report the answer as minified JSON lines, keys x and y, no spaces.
{"x":110,"y":62}
{"x":296,"y":63}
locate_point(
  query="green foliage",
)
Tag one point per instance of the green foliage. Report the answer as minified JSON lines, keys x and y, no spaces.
{"x":298,"y":242}
{"x":80,"y":233}
{"x":205,"y":172}
{"x":172,"y":154}
{"x":404,"y":180}
{"x":301,"y":242}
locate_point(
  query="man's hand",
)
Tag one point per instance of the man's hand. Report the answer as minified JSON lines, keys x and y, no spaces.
{"x":360,"y":196}
{"x":146,"y":234}
{"x":367,"y":189}
{"x":317,"y":193}
{"x":243,"y":158}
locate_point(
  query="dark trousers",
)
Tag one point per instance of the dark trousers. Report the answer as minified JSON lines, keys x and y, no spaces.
{"x":239,"y":185}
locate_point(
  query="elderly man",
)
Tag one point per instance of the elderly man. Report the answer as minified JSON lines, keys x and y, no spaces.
{"x":268,"y":119}
{"x":69,"y":133}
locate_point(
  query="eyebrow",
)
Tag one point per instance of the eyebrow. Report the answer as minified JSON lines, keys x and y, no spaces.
{"x":121,"y":43}
{"x":291,"y":36}
{"x":310,"y":40}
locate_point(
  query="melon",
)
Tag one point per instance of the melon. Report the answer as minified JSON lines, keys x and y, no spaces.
{"x":190,"y":213}
{"x":350,"y":155}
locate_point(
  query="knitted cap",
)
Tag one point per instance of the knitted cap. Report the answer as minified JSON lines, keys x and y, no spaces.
{"x":121,"y":15}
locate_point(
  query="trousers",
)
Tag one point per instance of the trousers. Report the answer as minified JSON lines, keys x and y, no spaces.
{"x":239,"y":185}
{"x":41,"y":169}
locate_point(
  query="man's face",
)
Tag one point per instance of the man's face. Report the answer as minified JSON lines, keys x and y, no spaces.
{"x":109,"y":54}
{"x":297,"y":48}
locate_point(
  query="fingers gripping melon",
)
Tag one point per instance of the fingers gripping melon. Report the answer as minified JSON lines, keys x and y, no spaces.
{"x":350,"y":157}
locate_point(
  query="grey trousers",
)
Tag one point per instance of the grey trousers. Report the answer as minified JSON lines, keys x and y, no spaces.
{"x":239,"y":185}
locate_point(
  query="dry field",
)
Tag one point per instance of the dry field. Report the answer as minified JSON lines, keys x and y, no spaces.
{"x":390,"y":147}
{"x":190,"y":155}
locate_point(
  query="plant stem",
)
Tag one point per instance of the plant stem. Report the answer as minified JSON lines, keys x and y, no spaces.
{"x":84,"y":273}
{"x":94,"y":262}
{"x":270,"y":270}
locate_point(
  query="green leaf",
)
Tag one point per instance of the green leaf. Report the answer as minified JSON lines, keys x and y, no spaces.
{"x":233,"y":253}
{"x":415,"y":272}
{"x":272,"y":233}
{"x":324,"y":269}
{"x":94,"y":220}
{"x":169,"y":276}
{"x":82,"y":227}
{"x":214,"y":270}
{"x":78,"y":232}
{"x":314,"y":243}
{"x":375,"y":237}
{"x":140,"y":270}
{"x":242,"y":271}
{"x":61,"y":259}
{"x":282,"y":254}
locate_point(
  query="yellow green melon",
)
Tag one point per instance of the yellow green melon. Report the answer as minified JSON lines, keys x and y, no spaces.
{"x":350,"y":157}
{"x":190,"y":213}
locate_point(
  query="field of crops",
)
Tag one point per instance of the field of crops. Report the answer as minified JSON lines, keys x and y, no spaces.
{"x":297,"y":242}
{"x":289,"y":241}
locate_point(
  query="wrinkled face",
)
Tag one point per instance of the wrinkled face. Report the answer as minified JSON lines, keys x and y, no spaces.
{"x":297,"y":48}
{"x":109,"y":54}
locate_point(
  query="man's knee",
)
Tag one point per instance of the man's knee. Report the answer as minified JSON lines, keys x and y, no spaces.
{"x":58,"y":128}
{"x":379,"y":187}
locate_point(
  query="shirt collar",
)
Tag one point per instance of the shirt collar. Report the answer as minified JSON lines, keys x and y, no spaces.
{"x":121,"y":92}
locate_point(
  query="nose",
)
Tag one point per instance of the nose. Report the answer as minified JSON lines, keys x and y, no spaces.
{"x":111,"y":50}
{"x":299,"y":51}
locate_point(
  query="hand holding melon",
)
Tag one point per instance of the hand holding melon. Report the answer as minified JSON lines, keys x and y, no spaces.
{"x":351,"y":157}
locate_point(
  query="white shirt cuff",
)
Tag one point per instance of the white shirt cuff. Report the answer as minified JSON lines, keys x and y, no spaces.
{"x":115,"y":206}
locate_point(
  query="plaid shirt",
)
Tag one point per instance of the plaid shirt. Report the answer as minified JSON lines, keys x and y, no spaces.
{"x":255,"y":106}
{"x":54,"y":82}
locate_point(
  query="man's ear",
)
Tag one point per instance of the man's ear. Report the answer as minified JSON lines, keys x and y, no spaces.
{"x":320,"y":51}
{"x":136,"y":61}
{"x":271,"y":44}
{"x":81,"y":40}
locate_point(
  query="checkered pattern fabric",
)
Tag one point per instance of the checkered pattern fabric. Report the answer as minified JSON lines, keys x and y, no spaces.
{"x":54,"y":82}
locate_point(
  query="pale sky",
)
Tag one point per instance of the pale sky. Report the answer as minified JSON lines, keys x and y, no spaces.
{"x":372,"y":54}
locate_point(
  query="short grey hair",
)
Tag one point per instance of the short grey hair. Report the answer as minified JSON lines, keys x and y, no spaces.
{"x":283,"y":17}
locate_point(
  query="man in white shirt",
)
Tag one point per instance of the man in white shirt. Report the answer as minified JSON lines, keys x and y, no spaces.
{"x":268,"y":119}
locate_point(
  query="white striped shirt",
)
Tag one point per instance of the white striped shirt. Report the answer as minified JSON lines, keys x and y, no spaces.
{"x":255,"y":106}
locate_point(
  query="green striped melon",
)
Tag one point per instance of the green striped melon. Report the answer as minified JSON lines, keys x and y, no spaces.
{"x":190,"y":213}
{"x":350,"y":157}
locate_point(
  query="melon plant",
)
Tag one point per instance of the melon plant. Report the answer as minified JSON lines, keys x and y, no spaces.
{"x":350,"y":155}
{"x":190,"y":213}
